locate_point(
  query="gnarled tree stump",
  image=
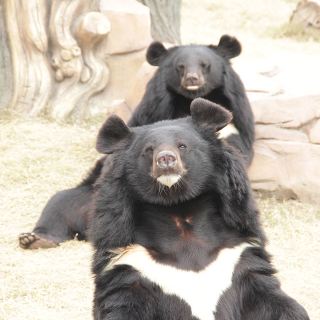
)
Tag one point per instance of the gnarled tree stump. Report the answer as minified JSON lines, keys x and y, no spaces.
{"x":60,"y":58}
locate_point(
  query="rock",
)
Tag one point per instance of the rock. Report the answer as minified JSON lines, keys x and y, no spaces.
{"x":276,"y":133}
{"x":123,"y":52}
{"x":123,"y":69}
{"x":121,"y":109}
{"x":287,"y":148}
{"x":288,"y":169}
{"x":287,"y":113}
{"x":130,"y":25}
{"x":314,"y":133}
{"x":140,"y":81}
{"x":306,"y":15}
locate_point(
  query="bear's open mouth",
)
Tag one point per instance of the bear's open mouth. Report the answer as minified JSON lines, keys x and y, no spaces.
{"x":169,"y":179}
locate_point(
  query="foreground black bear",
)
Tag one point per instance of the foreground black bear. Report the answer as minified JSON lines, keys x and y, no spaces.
{"x":184,"y":73}
{"x":175,"y":229}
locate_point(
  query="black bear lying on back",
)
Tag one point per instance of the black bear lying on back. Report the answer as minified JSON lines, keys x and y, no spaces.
{"x":175,"y":229}
{"x":184,"y":73}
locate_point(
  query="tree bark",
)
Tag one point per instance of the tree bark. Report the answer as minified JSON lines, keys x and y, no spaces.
{"x":56,"y":56}
{"x":165,"y":20}
{"x":5,"y":64}
{"x":28,"y":46}
{"x":74,"y":33}
{"x":67,"y":32}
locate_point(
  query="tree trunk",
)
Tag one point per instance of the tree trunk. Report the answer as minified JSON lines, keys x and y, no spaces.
{"x":63,"y":58}
{"x":66,"y":32}
{"x":165,"y":20}
{"x":74,"y":33}
{"x":5,"y":64}
{"x":28,"y":46}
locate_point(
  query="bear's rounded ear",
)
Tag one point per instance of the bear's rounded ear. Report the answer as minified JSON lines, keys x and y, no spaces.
{"x":111,"y":135}
{"x":209,"y":115}
{"x":155,"y":53}
{"x":228,"y":47}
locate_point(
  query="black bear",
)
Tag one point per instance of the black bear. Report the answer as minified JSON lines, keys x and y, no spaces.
{"x":175,"y":229}
{"x":184,"y":73}
{"x":192,"y":71}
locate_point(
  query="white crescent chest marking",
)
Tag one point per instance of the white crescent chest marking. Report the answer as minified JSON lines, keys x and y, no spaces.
{"x":201,"y":290}
{"x":228,"y":131}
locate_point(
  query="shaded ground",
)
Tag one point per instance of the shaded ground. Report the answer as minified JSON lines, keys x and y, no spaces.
{"x":39,"y":157}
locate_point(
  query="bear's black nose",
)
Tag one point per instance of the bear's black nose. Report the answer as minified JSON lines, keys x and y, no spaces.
{"x":166,"y":159}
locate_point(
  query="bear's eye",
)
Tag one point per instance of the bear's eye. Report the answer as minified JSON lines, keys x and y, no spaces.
{"x":149,"y":149}
{"x":204,"y":65}
{"x":180,"y":67}
{"x":182,"y":146}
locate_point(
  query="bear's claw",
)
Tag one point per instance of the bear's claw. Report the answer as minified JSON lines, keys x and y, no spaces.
{"x":30,"y":240}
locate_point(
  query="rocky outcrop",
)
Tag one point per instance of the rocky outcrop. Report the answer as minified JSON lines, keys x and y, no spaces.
{"x":287,"y":148}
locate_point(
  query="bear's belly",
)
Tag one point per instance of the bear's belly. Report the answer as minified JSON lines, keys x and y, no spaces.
{"x":201,"y":290}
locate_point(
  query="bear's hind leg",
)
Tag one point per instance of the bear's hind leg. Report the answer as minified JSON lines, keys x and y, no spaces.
{"x":58,"y":220}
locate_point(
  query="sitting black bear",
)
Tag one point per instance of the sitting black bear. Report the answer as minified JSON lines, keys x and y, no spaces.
{"x":188,"y":72}
{"x":184,"y":73}
{"x":175,"y":229}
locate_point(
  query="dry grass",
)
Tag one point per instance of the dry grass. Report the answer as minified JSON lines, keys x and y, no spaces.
{"x":294,"y":241}
{"x":39,"y":157}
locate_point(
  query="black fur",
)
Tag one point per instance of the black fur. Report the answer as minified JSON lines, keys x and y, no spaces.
{"x":216,"y":198}
{"x":67,"y":213}
{"x":164,"y":99}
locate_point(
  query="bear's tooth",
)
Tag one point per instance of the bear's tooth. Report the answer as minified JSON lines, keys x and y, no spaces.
{"x":192,"y":88}
{"x":169,"y":180}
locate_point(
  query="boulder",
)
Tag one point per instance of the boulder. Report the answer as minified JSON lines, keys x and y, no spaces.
{"x":123,"y":70}
{"x":123,"y":52}
{"x":287,"y":148}
{"x":140,"y":82}
{"x":314,"y":133}
{"x":274,"y":132}
{"x":121,"y":109}
{"x":286,"y":112}
{"x":130,"y":25}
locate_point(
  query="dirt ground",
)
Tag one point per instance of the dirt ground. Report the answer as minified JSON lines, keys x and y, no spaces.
{"x":40,"y":157}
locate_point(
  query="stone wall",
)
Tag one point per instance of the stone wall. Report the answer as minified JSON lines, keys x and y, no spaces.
{"x":287,"y":148}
